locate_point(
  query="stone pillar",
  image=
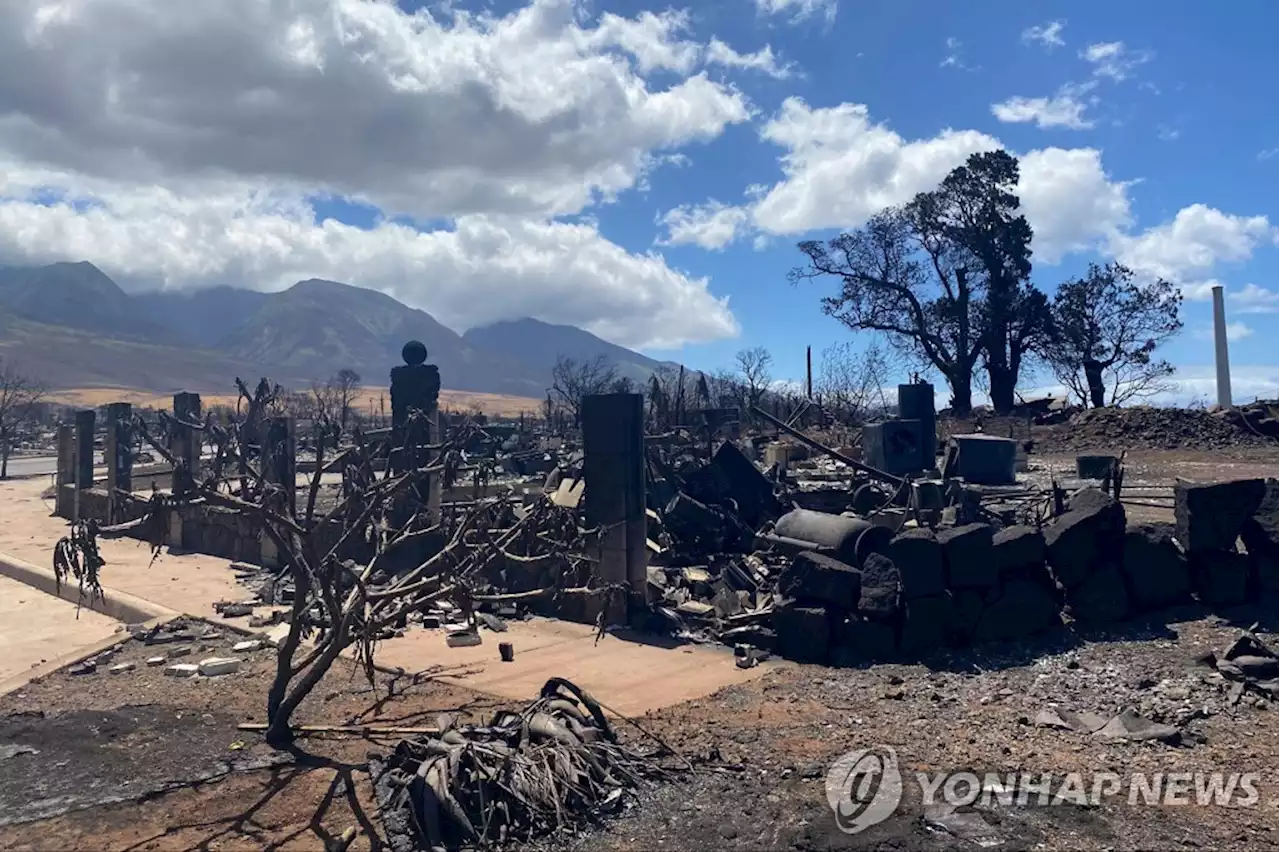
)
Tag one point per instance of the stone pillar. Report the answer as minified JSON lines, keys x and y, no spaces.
{"x":280,"y":458}
{"x":65,"y":480}
{"x":86,"y":419}
{"x":613,"y":468}
{"x":184,"y":442}
{"x":118,"y":452}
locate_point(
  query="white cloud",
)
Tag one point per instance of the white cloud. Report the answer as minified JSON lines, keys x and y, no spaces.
{"x":1186,"y":250}
{"x":427,"y":114}
{"x":1064,"y":109}
{"x":1252,"y":299}
{"x":483,"y":269}
{"x":763,"y":60}
{"x":839,"y":169}
{"x":712,"y":225}
{"x":1236,"y":331}
{"x":1048,"y":35}
{"x":799,"y":11}
{"x":1196,"y":383}
{"x":952,"y":59}
{"x":185,"y":142}
{"x":1113,"y":59}
{"x":1070,"y":201}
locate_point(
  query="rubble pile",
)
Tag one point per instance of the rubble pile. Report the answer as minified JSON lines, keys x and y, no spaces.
{"x":527,"y":774}
{"x":1144,"y":427}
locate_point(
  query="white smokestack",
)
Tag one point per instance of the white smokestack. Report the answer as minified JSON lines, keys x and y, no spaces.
{"x":1220,"y":347}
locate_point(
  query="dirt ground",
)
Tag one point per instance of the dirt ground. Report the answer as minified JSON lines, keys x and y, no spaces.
{"x":370,"y":399}
{"x":140,"y":761}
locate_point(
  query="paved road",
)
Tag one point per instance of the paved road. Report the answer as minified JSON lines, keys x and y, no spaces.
{"x":39,"y":465}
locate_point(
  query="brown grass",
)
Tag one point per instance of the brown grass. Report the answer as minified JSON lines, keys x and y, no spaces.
{"x":495,"y":404}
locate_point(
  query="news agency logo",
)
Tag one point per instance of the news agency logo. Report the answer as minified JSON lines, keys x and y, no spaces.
{"x":864,"y":787}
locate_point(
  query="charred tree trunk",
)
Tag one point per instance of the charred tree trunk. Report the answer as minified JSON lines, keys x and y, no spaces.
{"x":1093,"y":378}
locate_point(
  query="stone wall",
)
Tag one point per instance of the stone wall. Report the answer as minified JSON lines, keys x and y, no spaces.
{"x":971,"y":584}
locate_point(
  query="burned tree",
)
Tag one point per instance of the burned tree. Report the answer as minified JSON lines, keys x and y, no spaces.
{"x":571,"y":380}
{"x":754,"y":367}
{"x":356,"y":568}
{"x":1105,"y":328}
{"x":851,"y":384}
{"x":944,"y":277}
{"x":19,"y":396}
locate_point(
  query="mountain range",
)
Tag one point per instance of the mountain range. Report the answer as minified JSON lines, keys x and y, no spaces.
{"x":71,"y":326}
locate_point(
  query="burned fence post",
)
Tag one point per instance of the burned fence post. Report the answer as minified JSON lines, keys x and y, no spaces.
{"x":184,"y":441}
{"x":118,"y":453}
{"x":280,"y":459}
{"x":65,"y":481}
{"x":613,"y":467}
{"x":86,"y":421}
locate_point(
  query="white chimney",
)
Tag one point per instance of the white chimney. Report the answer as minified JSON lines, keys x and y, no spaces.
{"x":1220,"y":347}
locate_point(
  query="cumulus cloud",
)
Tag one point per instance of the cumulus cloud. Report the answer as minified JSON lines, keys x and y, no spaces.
{"x":1113,"y":59}
{"x":1064,"y":109}
{"x":1252,"y":299}
{"x":184,"y":144}
{"x":420,"y":114}
{"x":1187,"y":249}
{"x":798,"y":11}
{"x":1236,"y":331}
{"x":1047,"y":35}
{"x":482,"y":269}
{"x":712,"y":225}
{"x":839,"y":168}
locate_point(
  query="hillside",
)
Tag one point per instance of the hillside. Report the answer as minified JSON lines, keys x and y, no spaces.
{"x":74,"y":327}
{"x":538,"y":344}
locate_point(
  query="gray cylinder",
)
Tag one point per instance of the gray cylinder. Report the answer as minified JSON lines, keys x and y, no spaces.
{"x":851,"y":540}
{"x":915,"y":402}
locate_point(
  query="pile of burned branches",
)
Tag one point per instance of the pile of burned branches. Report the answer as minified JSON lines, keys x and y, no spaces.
{"x":357,"y":569}
{"x":555,"y":764}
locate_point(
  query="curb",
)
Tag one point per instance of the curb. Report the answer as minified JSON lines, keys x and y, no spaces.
{"x":121,"y":606}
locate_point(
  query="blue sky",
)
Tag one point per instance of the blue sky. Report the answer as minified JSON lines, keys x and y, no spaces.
{"x":641,"y":171}
{"x":1195,"y":124}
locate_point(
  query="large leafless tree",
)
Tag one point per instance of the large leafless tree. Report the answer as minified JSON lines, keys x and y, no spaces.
{"x":851,"y":382}
{"x":755,"y":372}
{"x":19,"y":396}
{"x":572,"y":379}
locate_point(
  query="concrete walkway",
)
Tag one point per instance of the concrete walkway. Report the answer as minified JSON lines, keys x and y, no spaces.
{"x":631,"y":676}
{"x":37,"y":628}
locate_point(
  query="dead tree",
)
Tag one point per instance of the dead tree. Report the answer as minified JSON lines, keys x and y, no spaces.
{"x":571,"y":380}
{"x":19,"y":395}
{"x":348,"y":565}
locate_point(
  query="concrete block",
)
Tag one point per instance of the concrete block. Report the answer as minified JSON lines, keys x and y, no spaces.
{"x":213,"y":666}
{"x":1155,"y":569}
{"x":1023,"y":608}
{"x":881,"y":583}
{"x":859,"y":641}
{"x":156,"y":661}
{"x":985,"y":459}
{"x":812,"y":577}
{"x":918,"y":556}
{"x":1082,"y":538}
{"x":894,"y":446}
{"x":1210,"y":516}
{"x":1220,"y":577}
{"x":803,"y":632}
{"x":463,"y":638}
{"x":1018,"y":552}
{"x":121,"y":668}
{"x":925,"y":623}
{"x":1101,"y":599}
{"x":967,"y":555}
{"x":277,"y":634}
{"x":181,"y":670}
{"x":248,"y":646}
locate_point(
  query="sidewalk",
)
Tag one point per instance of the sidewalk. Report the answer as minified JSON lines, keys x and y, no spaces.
{"x":631,"y":676}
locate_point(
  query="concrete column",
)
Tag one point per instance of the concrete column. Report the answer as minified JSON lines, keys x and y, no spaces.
{"x":85,"y":421}
{"x":1220,"y":347}
{"x":184,"y":442}
{"x":65,"y":480}
{"x":280,"y":458}
{"x":613,"y":467}
{"x":118,"y":450}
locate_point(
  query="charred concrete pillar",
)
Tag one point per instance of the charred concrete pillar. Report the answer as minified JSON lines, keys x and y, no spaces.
{"x":86,"y":420}
{"x":614,"y":470}
{"x":65,"y":480}
{"x":280,"y":459}
{"x":1222,"y":363}
{"x":184,"y":442}
{"x":118,"y":452}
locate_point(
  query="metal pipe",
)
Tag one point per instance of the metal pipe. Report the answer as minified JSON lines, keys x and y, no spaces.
{"x":874,"y":473}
